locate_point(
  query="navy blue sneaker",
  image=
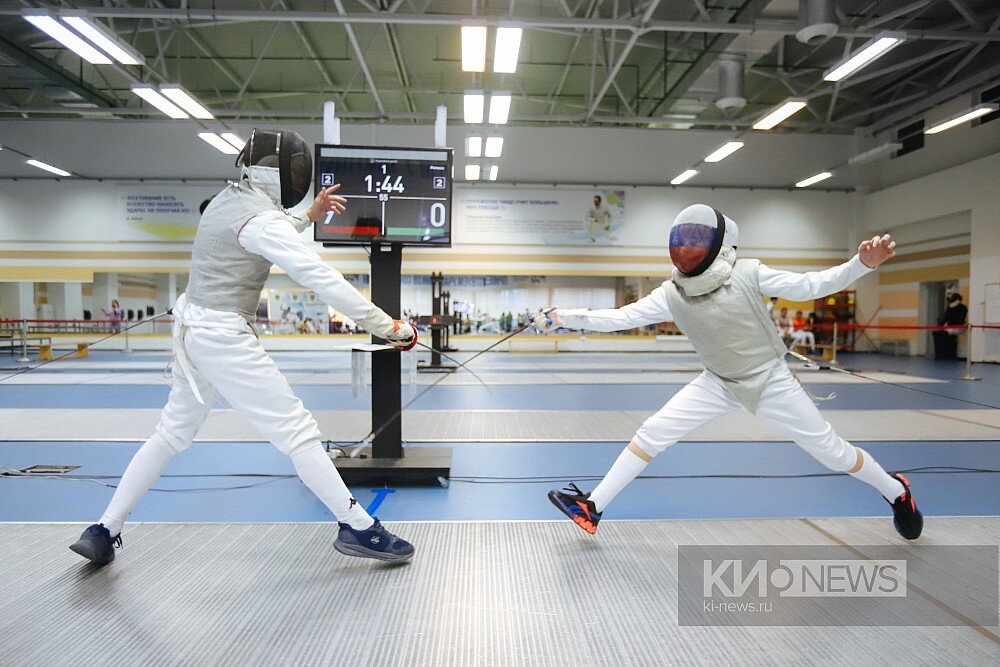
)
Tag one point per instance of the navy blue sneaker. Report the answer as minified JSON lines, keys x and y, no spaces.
{"x":906,"y":518}
{"x":376,"y":542}
{"x":97,"y":545}
{"x":577,"y":506}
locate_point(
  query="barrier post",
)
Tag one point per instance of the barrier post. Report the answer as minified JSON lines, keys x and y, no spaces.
{"x":24,"y":341}
{"x":968,"y":355}
{"x":128,"y":350}
{"x":833,"y":352}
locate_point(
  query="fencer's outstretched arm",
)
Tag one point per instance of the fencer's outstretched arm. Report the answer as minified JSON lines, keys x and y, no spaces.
{"x":650,"y":309}
{"x":812,"y":285}
{"x":274,"y":236}
{"x":817,"y":284}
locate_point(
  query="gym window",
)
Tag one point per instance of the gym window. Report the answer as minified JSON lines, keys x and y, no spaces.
{"x":912,"y":138}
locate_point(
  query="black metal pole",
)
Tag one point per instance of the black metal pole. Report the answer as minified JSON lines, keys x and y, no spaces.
{"x":437,"y":280}
{"x":386,"y":263}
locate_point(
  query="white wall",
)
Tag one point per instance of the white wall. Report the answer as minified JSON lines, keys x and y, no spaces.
{"x":971,"y":187}
{"x":79,"y":219}
{"x":532,"y":154}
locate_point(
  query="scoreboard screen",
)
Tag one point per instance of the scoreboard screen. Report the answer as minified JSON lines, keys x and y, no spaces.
{"x":399,"y":195}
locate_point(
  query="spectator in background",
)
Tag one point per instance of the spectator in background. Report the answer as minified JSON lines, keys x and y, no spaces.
{"x":115,"y":315}
{"x":784,"y":324}
{"x":946,"y":342}
{"x":801,"y":331}
{"x":771,"y":303}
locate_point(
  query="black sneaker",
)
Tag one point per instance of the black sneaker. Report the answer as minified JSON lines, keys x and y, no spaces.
{"x":97,"y":545}
{"x":376,"y":542}
{"x":907,"y":519}
{"x":577,"y":506}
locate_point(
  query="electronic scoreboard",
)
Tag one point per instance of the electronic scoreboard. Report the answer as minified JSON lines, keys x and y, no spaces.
{"x":394,"y":195}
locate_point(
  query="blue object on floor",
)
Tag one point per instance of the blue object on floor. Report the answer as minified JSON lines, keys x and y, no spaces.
{"x":380,"y":495}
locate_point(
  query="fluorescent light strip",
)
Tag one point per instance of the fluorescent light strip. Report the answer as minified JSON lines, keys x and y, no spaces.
{"x":47,"y":167}
{"x":67,"y":38}
{"x":475,"y":101}
{"x":474,"y":146}
{"x":494,"y":172}
{"x":685,"y":175}
{"x":235,"y":140}
{"x":878,"y":46}
{"x":875,"y":153}
{"x":147,"y":93}
{"x":494,"y":146}
{"x":724,"y":151}
{"x":508,"y":44}
{"x":822,"y":176}
{"x":780,"y":114}
{"x":472,"y":172}
{"x":958,"y":119}
{"x":473,"y":48}
{"x":219,"y":143}
{"x":181,"y":98}
{"x":499,"y":107}
{"x":93,"y":31}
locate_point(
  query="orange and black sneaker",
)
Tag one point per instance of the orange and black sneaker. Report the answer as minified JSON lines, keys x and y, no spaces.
{"x":907,"y":519}
{"x":576,"y":505}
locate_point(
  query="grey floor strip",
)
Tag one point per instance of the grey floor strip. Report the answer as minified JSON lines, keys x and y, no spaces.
{"x":529,"y":593}
{"x":504,"y":425}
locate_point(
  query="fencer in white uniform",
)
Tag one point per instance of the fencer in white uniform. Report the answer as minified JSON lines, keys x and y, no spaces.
{"x":715,"y":299}
{"x":216,"y":353}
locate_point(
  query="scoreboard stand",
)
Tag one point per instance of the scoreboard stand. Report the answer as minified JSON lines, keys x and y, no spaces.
{"x":386,"y":460}
{"x":396,"y":197}
{"x":440,"y":322}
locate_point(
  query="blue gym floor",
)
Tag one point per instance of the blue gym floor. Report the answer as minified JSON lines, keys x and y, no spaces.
{"x":200,"y":484}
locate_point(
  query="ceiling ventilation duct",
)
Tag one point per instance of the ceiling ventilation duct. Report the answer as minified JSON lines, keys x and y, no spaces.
{"x":817,"y":21}
{"x":730,"y":83}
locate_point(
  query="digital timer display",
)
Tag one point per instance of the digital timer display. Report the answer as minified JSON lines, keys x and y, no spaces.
{"x":399,"y":195}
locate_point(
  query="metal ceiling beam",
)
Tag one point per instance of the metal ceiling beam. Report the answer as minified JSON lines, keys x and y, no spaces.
{"x":627,"y":49}
{"x":397,"y":57}
{"x":717,"y":44}
{"x":572,"y":52}
{"x":313,"y":54}
{"x":966,"y":13}
{"x":976,"y":50}
{"x":986,"y":77}
{"x":736,"y":28}
{"x":867,"y":111}
{"x":370,"y":116}
{"x":896,"y":13}
{"x":57,"y":75}
{"x":358,"y":52}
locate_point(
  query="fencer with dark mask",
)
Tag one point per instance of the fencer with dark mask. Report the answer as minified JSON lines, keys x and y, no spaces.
{"x":717,"y":302}
{"x":245,"y":230}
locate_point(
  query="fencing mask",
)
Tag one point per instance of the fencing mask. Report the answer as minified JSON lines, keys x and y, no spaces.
{"x":279,"y":162}
{"x":697,"y":236}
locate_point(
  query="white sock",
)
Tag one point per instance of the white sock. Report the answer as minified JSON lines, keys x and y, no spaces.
{"x":872,"y":473}
{"x":142,"y":472}
{"x":317,"y":472}
{"x":626,"y":468}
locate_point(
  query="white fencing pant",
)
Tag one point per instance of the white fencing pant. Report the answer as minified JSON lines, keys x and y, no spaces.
{"x":233,"y":364}
{"x":784,"y":404}
{"x":802,"y":337}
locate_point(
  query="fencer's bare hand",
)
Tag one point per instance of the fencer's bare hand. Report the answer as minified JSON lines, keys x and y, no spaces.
{"x":876,"y":250}
{"x":327,"y":202}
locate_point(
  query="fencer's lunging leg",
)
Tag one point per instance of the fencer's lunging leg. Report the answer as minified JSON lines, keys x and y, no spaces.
{"x":179,"y":423}
{"x":786,"y":405}
{"x":237,"y":365}
{"x":701,"y":401}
